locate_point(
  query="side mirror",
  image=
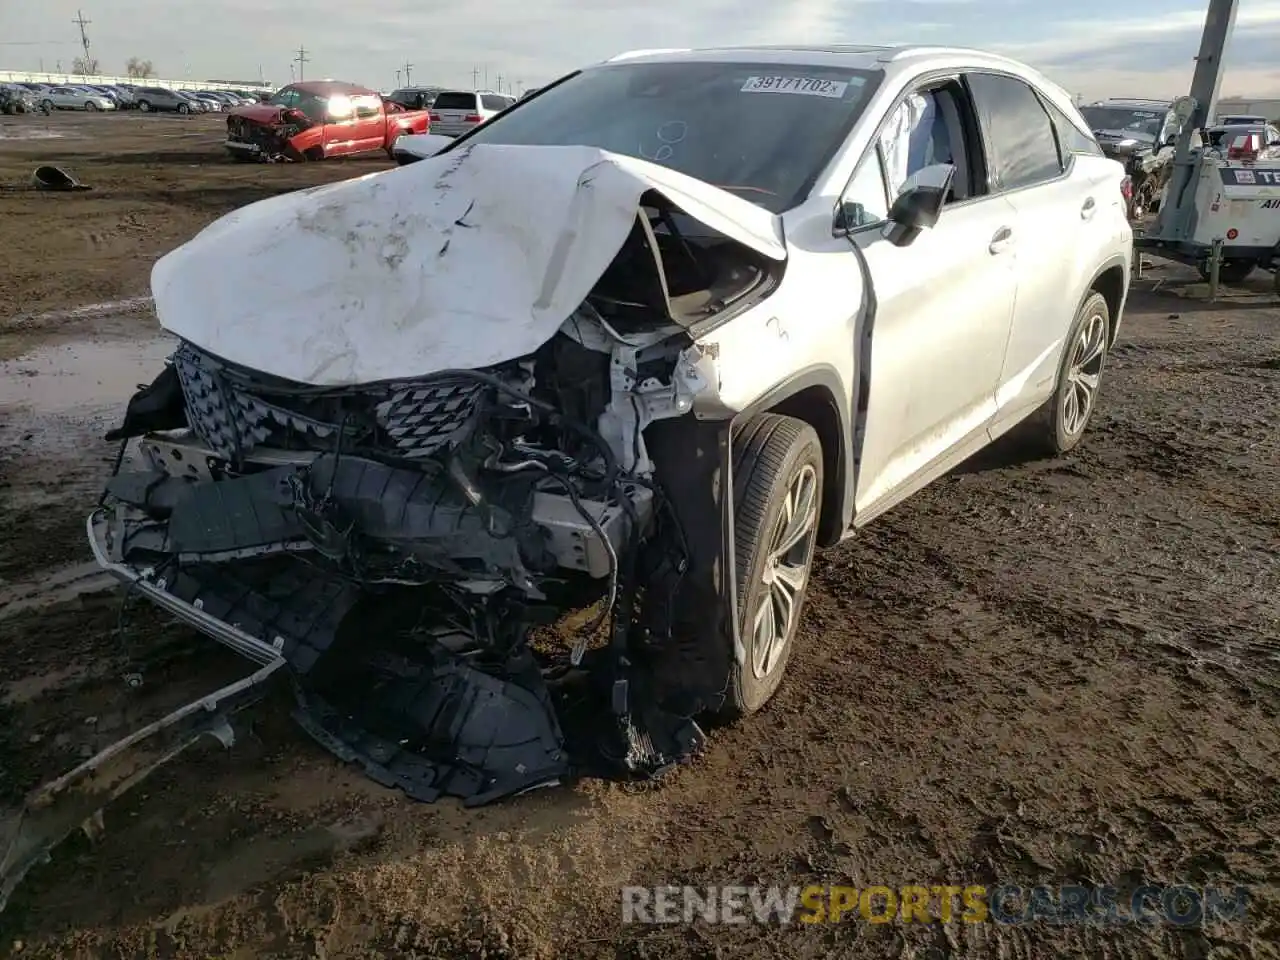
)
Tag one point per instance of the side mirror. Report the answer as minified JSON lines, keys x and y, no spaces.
{"x":919,"y":203}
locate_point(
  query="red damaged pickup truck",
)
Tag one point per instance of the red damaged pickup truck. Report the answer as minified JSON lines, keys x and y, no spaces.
{"x":318,"y":119}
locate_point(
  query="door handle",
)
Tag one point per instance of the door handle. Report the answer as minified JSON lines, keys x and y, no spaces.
{"x":1002,"y":240}
{"x":1089,"y":209}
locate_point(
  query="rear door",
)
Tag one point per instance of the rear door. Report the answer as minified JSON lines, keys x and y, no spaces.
{"x":370,"y":131}
{"x":450,"y":113}
{"x":1062,"y":218}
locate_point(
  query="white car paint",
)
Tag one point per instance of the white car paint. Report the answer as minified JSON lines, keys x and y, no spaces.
{"x":346,"y":283}
{"x":362,"y":280}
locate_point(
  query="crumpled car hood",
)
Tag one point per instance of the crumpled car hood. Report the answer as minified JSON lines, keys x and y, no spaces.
{"x":462,"y":260}
{"x":263,"y":113}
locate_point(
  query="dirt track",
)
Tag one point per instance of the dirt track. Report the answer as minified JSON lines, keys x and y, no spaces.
{"x":1049,"y":673}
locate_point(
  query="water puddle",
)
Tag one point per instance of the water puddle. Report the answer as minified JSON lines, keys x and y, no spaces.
{"x":8,"y":132}
{"x":80,"y":378}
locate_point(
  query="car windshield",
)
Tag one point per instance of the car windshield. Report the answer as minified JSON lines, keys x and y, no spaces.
{"x":1146,"y":123}
{"x":761,"y":130}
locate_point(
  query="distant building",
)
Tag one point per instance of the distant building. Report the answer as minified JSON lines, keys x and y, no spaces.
{"x":1262,"y":107}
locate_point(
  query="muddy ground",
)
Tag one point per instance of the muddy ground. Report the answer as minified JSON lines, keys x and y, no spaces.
{"x":1049,"y":672}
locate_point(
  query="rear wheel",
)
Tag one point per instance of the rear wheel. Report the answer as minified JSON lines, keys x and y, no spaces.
{"x":1229,"y":271}
{"x":144,"y":106}
{"x":1059,"y":425}
{"x":777,"y":482}
{"x":47,"y":107}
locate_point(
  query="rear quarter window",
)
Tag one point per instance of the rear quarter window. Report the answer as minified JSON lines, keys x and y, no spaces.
{"x":1071,"y":139}
{"x":492,"y":102}
{"x":455,"y":101}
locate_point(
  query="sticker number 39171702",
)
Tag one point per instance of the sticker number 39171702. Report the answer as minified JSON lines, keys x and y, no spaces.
{"x":809,"y":86}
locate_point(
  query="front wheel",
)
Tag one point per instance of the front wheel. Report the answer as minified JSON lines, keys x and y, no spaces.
{"x":777,"y":490}
{"x":1059,"y":425}
{"x":183,"y":108}
{"x":47,"y":107}
{"x":90,"y":106}
{"x":144,"y":107}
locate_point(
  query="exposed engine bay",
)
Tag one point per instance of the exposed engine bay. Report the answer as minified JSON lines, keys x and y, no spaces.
{"x":400,"y":544}
{"x":272,"y":139}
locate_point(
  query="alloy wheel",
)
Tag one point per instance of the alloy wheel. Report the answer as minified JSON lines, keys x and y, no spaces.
{"x":786,"y":572}
{"x":1084,"y":374}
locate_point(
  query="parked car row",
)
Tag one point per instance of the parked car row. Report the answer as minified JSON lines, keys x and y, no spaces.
{"x":96,"y":97}
{"x":18,"y":99}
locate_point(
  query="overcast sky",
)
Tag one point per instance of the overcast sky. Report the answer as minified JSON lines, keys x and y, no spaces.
{"x":1093,"y":47}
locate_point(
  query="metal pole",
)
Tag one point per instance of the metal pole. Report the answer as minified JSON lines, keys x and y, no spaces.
{"x":1215,"y":267}
{"x":1177,"y":216}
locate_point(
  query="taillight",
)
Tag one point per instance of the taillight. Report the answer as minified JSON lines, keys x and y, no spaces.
{"x":472,"y":118}
{"x":1245,"y":147}
{"x":433,"y":117}
{"x":1126,"y":188}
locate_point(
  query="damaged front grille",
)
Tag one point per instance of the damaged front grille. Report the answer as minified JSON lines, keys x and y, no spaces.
{"x":234,"y":412}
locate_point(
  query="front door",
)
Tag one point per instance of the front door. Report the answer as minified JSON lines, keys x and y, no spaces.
{"x":943,"y":306}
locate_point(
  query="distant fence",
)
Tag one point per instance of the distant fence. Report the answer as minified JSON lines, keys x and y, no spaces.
{"x":55,"y":79}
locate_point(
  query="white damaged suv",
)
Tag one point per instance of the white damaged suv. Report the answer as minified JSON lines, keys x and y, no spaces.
{"x":644,"y":340}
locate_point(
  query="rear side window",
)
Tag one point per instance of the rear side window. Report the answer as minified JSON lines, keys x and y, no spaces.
{"x":1022,"y":149}
{"x":1071,"y":138}
{"x":494,"y":102}
{"x":455,"y":101}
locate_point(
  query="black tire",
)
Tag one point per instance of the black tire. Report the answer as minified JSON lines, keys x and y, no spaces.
{"x":90,"y":106}
{"x":184,"y":109}
{"x":48,"y":107}
{"x":144,"y":106}
{"x":1052,"y":429}
{"x":1229,"y":271}
{"x":772,"y":454}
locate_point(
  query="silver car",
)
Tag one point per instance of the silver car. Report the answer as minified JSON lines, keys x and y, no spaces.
{"x":76,"y":98}
{"x":456,"y":112}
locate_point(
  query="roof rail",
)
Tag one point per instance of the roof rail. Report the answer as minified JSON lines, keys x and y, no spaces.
{"x":899,"y":52}
{"x":631,"y":54}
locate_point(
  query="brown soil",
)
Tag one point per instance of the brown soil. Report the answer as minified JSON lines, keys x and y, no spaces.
{"x":1050,"y":672}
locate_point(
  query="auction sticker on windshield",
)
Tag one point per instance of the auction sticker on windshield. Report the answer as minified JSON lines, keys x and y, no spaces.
{"x":810,"y":86}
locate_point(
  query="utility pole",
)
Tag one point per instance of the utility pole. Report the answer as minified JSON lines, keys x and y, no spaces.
{"x":519,"y":87}
{"x":499,"y":83}
{"x":397,"y":78}
{"x":475,"y":77}
{"x":486,"y":76}
{"x":408,"y":74}
{"x":1177,"y":218}
{"x":302,"y":60}
{"x":84,"y":37}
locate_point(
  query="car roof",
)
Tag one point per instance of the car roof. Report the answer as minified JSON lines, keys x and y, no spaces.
{"x":1133,"y":103}
{"x":856,"y":56}
{"x":326,"y":88}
